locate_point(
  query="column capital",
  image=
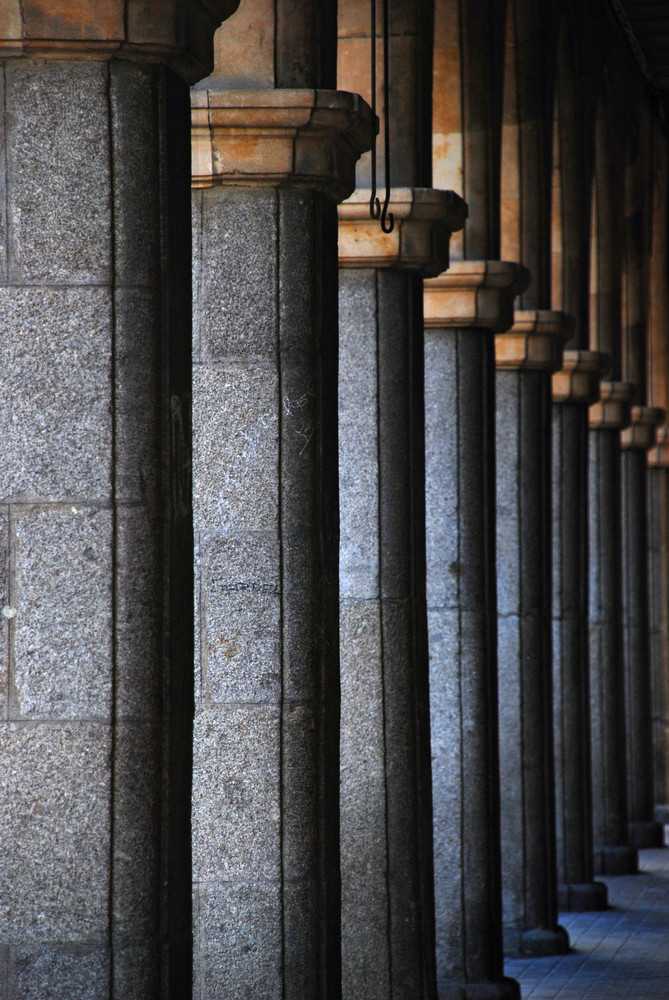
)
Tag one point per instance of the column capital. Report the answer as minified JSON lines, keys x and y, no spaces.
{"x":658,"y":456}
{"x":534,"y":342}
{"x":612,"y":410}
{"x":578,"y":379}
{"x":474,"y":293}
{"x":275,"y":138}
{"x":177,"y":32}
{"x":641,"y":432}
{"x":424,"y":221}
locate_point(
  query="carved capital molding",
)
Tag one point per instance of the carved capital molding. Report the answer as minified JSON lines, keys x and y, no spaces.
{"x":474,"y":293}
{"x":658,"y":456}
{"x":177,"y":32}
{"x":641,"y":432}
{"x":611,"y":412}
{"x":311,"y":138}
{"x":578,"y":379}
{"x":424,"y":221}
{"x":535,"y":341}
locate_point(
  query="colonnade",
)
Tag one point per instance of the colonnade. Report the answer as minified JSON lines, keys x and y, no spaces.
{"x":419,"y":468}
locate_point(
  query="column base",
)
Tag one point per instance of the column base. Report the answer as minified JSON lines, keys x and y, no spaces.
{"x":538,"y":943}
{"x":662,"y":814}
{"x":579,"y":898}
{"x":616,"y":860}
{"x":504,"y":989}
{"x":649,"y":834}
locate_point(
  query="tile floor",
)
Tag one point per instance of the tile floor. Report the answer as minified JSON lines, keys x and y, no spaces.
{"x":620,"y":953}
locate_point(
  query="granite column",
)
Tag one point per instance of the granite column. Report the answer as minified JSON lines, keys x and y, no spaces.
{"x":525,"y":356}
{"x":637,"y":439}
{"x":95,"y":299}
{"x":612,"y":850}
{"x":268,"y":169}
{"x":575,"y":386}
{"x":463,"y":308}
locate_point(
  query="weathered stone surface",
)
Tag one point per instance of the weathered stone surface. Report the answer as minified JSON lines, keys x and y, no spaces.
{"x":6,"y":617}
{"x":241,"y":615}
{"x":235,"y":303}
{"x":236,"y":798}
{"x":46,"y":193}
{"x":136,"y":972}
{"x":54,"y":380}
{"x":77,"y":973}
{"x":238,"y":940}
{"x":136,"y":393}
{"x":235,"y":461}
{"x":54,"y":813}
{"x":61,"y":670}
{"x":133,"y":96}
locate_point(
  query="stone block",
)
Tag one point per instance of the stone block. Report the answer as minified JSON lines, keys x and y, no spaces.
{"x":54,"y":814}
{"x":47,"y":192}
{"x":137,"y":391}
{"x":240,"y":941}
{"x":137,"y":787}
{"x":237,"y":288}
{"x":4,"y":29}
{"x":241,"y":617}
{"x":54,"y":382}
{"x":136,"y":972}
{"x":301,"y":459}
{"x":358,"y":436}
{"x":139,"y":622}
{"x":6,"y":612}
{"x":136,"y":191}
{"x":300,"y":792}
{"x":76,"y":973}
{"x":303,"y":924}
{"x":4,"y":972}
{"x":302,"y":623}
{"x":303,"y":283}
{"x":63,"y":624}
{"x":235,"y":449}
{"x":236,"y":794}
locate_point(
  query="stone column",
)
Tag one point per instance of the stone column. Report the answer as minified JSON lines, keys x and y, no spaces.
{"x":525,"y":356}
{"x":658,"y":567}
{"x":636,"y":440}
{"x":613,"y":853}
{"x":386,"y":823}
{"x":95,"y":739}
{"x":463,"y":308}
{"x":575,"y":386}
{"x":268,"y":167}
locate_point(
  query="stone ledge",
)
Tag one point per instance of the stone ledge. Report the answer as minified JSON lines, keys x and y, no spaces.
{"x":658,"y":456}
{"x":474,"y":293}
{"x":177,"y":32}
{"x":424,"y":221}
{"x":311,"y":138}
{"x":641,"y":432}
{"x":535,"y":341}
{"x":578,"y":379}
{"x":612,"y":410}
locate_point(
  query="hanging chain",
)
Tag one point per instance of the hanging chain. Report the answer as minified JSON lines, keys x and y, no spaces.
{"x":375,"y":210}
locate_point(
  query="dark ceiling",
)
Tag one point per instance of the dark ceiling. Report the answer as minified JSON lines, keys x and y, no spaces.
{"x":650,"y":21}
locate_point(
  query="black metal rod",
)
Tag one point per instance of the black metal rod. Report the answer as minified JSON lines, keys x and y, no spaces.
{"x":374,"y":203}
{"x":387,"y":218}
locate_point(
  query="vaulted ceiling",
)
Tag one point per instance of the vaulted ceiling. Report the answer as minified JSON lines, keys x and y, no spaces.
{"x":650,"y":21}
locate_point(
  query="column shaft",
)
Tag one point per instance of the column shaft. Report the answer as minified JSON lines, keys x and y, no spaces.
{"x":387,"y":935}
{"x":644,"y":831}
{"x":265,"y":809}
{"x":95,"y":738}
{"x":526,"y":760}
{"x":658,"y":523}
{"x":571,"y":688}
{"x":613,"y":855}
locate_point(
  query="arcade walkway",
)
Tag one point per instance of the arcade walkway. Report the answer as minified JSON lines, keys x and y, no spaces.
{"x":621,"y":953}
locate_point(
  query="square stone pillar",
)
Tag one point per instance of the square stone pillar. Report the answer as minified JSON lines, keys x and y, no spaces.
{"x":614,"y":854}
{"x":386,"y":821}
{"x":95,"y":517}
{"x":268,"y":169}
{"x":525,"y":356}
{"x":636,"y":441}
{"x":575,"y":386}
{"x":463,"y":308}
